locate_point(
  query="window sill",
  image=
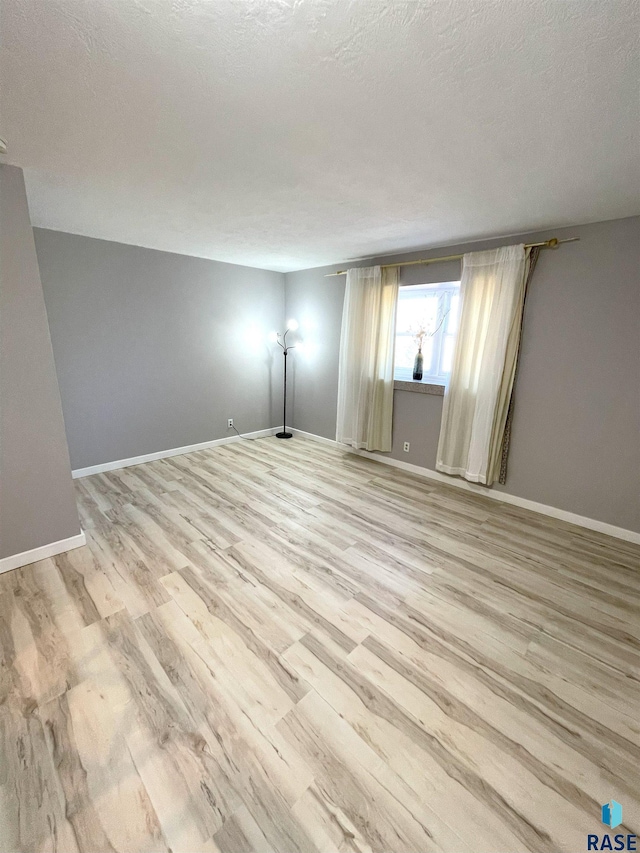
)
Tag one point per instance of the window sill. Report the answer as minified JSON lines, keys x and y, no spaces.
{"x":419,"y":387}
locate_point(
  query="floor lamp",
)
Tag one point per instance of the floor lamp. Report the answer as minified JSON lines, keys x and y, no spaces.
{"x":281,"y":340}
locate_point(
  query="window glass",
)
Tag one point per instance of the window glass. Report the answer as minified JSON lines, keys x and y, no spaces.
{"x":427,"y":317}
{"x":452,"y":319}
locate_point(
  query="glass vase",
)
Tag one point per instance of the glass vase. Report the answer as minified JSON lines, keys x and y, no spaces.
{"x":417,"y":366}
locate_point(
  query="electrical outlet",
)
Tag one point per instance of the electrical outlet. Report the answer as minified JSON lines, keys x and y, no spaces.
{"x":406,"y":446}
{"x":230,"y":423}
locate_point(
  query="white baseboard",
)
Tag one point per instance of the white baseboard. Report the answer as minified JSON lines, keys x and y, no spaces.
{"x":163,"y":454}
{"x":15,"y":561}
{"x":504,"y":497}
{"x":319,"y":438}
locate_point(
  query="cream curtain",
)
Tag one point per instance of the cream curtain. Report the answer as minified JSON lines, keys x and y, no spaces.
{"x":365,"y":383}
{"x":476,"y":402}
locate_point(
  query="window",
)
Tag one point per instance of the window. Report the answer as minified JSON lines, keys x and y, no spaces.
{"x":427,"y":312}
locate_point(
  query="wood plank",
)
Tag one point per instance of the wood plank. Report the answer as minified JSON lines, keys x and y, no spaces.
{"x":277,"y":646}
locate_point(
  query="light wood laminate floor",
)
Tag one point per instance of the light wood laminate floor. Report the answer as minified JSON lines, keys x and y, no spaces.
{"x":280,"y":646}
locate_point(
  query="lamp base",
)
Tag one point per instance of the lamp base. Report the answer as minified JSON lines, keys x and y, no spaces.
{"x":284,"y":435}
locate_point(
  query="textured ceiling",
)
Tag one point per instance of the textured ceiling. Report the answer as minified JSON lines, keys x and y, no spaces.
{"x":293,"y":133}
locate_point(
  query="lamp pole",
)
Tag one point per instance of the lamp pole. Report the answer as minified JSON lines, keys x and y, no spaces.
{"x":285,"y":350}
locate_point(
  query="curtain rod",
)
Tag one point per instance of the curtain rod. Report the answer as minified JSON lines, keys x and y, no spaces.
{"x":553,"y":243}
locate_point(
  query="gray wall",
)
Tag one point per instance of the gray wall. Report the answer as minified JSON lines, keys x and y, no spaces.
{"x":37,"y":504}
{"x":155,"y":350}
{"x":575,"y":441}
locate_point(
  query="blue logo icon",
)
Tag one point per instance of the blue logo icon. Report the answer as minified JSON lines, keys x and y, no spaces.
{"x":612,"y":814}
